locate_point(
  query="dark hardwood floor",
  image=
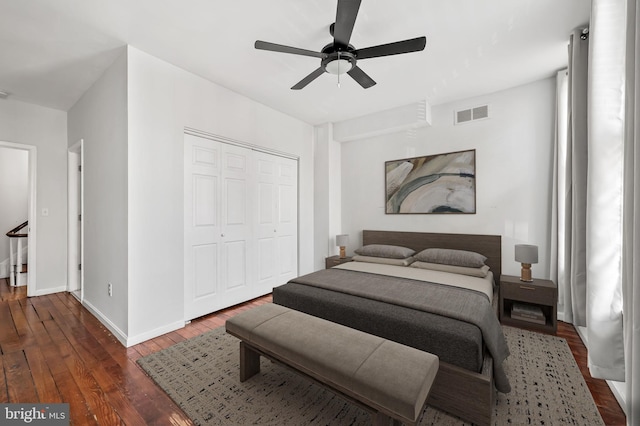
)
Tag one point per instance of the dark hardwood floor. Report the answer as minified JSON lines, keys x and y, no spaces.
{"x":54,"y":350}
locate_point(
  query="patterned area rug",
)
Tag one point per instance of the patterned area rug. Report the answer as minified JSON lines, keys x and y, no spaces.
{"x":201,"y":376}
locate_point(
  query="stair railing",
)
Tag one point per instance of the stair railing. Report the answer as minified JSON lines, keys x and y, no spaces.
{"x":16,"y":259}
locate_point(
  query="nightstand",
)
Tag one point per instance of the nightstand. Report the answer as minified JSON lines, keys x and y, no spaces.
{"x":332,"y":261}
{"x":521,"y":303}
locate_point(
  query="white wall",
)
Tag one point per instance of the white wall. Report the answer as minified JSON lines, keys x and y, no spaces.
{"x":132,"y":121}
{"x":46,"y":129}
{"x":100,"y":119}
{"x":14,"y":193}
{"x":163,"y":100}
{"x":514,"y":151}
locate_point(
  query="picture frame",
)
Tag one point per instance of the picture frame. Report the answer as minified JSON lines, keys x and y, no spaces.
{"x":432,"y":184}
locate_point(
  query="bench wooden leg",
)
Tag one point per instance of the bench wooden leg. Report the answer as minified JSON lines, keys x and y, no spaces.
{"x":249,"y":362}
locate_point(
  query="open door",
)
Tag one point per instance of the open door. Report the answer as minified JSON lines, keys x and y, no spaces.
{"x":28,"y":276}
{"x":74,"y":221}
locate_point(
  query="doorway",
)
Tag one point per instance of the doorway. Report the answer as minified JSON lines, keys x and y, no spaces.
{"x":25,"y":173}
{"x":74,"y":221}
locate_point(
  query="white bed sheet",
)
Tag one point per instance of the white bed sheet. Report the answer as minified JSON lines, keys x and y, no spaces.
{"x":484,"y":285}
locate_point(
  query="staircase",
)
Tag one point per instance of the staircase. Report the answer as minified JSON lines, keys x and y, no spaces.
{"x":18,"y":271}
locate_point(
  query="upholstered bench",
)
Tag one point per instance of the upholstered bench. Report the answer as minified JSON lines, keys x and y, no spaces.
{"x":388,"y":378}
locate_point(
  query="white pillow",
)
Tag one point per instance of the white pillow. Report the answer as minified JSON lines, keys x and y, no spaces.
{"x":385,"y":260}
{"x":463,"y":270}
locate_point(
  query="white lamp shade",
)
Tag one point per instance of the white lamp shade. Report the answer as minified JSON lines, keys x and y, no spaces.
{"x":526,"y":253}
{"x":342,"y":240}
{"x":338,"y":66}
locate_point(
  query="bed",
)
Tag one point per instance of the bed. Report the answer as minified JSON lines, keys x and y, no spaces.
{"x":374,"y":299}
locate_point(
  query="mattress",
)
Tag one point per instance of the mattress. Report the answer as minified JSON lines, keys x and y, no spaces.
{"x":455,"y":341}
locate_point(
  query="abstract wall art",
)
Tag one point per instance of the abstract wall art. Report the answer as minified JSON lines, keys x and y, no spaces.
{"x":441,"y":183}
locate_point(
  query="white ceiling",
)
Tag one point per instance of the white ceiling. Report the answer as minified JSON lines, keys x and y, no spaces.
{"x":53,"y":50}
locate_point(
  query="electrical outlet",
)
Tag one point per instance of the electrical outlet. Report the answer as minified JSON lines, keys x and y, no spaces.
{"x":110,"y":289}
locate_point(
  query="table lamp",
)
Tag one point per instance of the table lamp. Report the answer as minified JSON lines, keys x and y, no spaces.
{"x":341,"y":241}
{"x":526,"y":254}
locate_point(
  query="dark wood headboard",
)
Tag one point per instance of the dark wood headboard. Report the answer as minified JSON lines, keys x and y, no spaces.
{"x":487,"y":245}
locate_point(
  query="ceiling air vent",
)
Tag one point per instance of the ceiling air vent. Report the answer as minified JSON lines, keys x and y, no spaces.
{"x":471,"y":114}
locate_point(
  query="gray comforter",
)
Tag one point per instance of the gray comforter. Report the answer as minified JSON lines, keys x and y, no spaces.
{"x":465,"y":305}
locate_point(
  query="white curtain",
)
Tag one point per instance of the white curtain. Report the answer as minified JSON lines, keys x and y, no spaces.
{"x":571,"y":182}
{"x":612,"y":198}
{"x":605,"y":188}
{"x":631,"y":225}
{"x":557,"y":203}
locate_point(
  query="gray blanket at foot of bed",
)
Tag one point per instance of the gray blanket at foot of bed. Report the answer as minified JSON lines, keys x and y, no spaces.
{"x":465,"y":305}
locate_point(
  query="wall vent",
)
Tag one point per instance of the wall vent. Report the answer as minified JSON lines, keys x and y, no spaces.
{"x":471,"y":114}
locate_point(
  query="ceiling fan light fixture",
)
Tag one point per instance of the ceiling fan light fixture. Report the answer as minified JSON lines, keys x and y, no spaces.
{"x":339,"y":62}
{"x":340,"y":57}
{"x":338,"y":66}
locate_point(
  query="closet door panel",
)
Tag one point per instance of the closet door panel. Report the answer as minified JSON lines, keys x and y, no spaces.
{"x":201,"y":226}
{"x":235,"y":202}
{"x":267,"y":222}
{"x":205,"y":266}
{"x":287,"y":264}
{"x":237,"y":230}
{"x":288,"y":219}
{"x":205,"y":199}
{"x":266,"y":259}
{"x":278,"y":214}
{"x":235,"y":255}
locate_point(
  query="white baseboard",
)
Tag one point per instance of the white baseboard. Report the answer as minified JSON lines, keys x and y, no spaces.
{"x":134,"y":340}
{"x":120,"y":335}
{"x":46,"y":291}
{"x":582,"y":332}
{"x":560,"y":316}
{"x":619,"y":390}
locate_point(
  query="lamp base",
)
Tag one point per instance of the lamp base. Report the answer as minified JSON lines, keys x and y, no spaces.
{"x":343,"y":253}
{"x":525,"y":273}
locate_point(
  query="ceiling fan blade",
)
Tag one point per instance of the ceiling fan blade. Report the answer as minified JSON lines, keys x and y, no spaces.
{"x":361,"y":77}
{"x":264,"y":45}
{"x":345,"y":20}
{"x":308,"y":79}
{"x":406,"y":46}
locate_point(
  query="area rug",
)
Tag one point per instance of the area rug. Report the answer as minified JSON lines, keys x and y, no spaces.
{"x":202,"y":376}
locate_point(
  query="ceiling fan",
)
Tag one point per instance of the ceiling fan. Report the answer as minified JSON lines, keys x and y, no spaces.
{"x":340,"y":57}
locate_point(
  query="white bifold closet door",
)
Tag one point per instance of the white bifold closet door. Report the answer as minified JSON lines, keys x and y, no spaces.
{"x":240,"y":224}
{"x":277,"y":220}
